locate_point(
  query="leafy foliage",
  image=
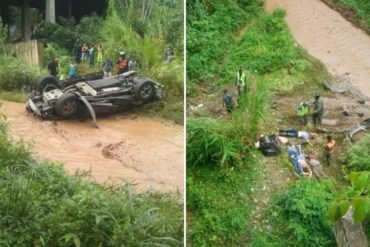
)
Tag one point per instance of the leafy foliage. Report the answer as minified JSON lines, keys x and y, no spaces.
{"x":299,"y":216}
{"x":40,"y":205}
{"x":357,"y":157}
{"x":355,"y":196}
{"x":14,"y":73}
{"x":62,"y":35}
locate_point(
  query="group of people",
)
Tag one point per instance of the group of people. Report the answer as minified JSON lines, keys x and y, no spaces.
{"x":84,"y":52}
{"x":308,"y":164}
{"x":303,"y":164}
{"x":107,"y":65}
{"x":318,"y":111}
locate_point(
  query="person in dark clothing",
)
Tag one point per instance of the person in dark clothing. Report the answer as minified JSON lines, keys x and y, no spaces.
{"x":53,"y":67}
{"x":77,"y":49}
{"x":228,"y":101}
{"x":107,"y":68}
{"x":318,"y":111}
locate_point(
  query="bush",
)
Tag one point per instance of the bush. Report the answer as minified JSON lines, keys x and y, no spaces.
{"x":61,"y":35}
{"x":357,"y":157}
{"x":41,"y":206}
{"x":14,"y":74}
{"x":299,"y":216}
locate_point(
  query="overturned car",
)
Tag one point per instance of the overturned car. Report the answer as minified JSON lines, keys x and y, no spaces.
{"x":90,"y":95}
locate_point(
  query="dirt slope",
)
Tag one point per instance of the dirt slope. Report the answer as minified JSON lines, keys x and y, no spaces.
{"x":326,"y":35}
{"x":143,"y":151}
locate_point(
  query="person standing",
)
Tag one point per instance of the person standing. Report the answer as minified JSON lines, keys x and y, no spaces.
{"x":122,"y":63}
{"x":228,"y":101}
{"x":318,"y":110}
{"x":72,"y":70}
{"x":99,"y":58}
{"x":241,"y":82}
{"x":329,"y":149}
{"x":53,"y":67}
{"x":77,"y":48}
{"x":107,"y":68}
{"x":84,"y":52}
{"x":303,"y":112}
{"x":91,"y":56}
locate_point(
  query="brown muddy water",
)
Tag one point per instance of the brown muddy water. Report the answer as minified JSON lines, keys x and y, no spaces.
{"x":144,"y":151}
{"x":326,"y":35}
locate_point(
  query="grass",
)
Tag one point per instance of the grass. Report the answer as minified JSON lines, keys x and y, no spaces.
{"x":219,"y":210}
{"x":42,"y":206}
{"x":15,"y":96}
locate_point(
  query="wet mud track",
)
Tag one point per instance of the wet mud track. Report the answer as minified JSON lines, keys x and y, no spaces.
{"x":142,"y":151}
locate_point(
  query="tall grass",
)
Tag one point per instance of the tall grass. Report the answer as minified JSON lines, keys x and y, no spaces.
{"x":210,"y":143}
{"x":252,"y":111}
{"x":42,"y":206}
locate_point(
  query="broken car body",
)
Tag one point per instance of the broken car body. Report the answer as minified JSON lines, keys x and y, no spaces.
{"x":90,"y":95}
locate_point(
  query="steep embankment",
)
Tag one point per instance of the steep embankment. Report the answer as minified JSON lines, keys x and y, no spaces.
{"x":144,"y":151}
{"x":326,"y":35}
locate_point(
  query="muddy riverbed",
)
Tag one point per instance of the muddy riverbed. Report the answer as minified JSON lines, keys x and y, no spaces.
{"x":146,"y":152}
{"x":326,"y":35}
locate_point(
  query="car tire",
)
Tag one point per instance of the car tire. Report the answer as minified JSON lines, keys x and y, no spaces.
{"x":44,"y":81}
{"x":145,"y":90}
{"x":28,"y":107}
{"x":68,"y":106}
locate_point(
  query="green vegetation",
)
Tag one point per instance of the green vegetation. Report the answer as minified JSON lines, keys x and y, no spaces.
{"x":15,"y":96}
{"x":357,"y":11}
{"x":211,"y":27}
{"x":212,"y":143}
{"x":142,"y":29}
{"x":298,"y":217}
{"x":357,"y":157}
{"x":218,"y":211}
{"x":222,"y":166}
{"x":42,"y":206}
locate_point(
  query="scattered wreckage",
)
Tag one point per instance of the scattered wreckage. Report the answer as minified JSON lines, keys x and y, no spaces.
{"x":355,"y":133}
{"x":90,"y":95}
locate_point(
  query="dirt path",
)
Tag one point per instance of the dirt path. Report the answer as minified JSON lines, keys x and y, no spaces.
{"x":144,"y":151}
{"x":326,"y":35}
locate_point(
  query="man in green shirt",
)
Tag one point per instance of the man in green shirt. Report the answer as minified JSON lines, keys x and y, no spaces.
{"x":318,"y":110}
{"x":228,"y":101}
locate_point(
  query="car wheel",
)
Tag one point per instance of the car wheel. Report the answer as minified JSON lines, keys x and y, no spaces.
{"x":45,"y":81}
{"x":28,"y":107}
{"x":145,"y":91}
{"x":68,"y":106}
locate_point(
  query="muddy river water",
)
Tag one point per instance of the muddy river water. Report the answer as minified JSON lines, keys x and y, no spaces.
{"x":144,"y":151}
{"x":326,"y":35}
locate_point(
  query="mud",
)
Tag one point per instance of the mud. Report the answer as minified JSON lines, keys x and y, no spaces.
{"x":145,"y":152}
{"x":326,"y":35}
